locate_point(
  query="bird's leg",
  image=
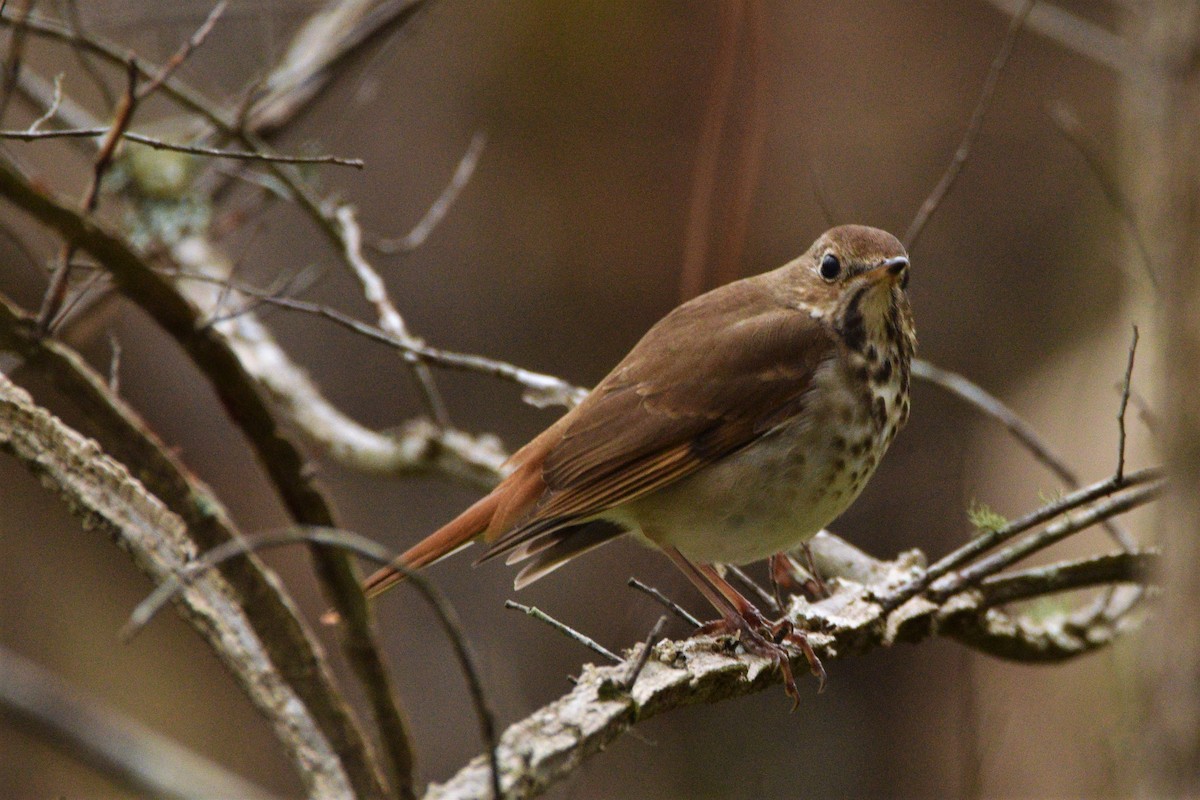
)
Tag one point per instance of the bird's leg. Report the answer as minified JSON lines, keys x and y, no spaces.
{"x":811,"y":563}
{"x":787,"y":577}
{"x":739,"y":617}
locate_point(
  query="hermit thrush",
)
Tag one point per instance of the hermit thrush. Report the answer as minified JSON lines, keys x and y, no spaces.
{"x":741,"y":424}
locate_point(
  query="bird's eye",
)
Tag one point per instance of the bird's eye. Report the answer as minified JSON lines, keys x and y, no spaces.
{"x":830,"y":267}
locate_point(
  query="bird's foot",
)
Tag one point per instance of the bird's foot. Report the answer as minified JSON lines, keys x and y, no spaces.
{"x":788,"y":578}
{"x":770,"y":640}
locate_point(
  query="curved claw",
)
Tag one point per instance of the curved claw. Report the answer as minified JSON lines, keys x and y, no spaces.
{"x":772,"y":646}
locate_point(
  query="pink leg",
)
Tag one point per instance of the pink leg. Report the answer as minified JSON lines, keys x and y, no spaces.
{"x":740,"y":617}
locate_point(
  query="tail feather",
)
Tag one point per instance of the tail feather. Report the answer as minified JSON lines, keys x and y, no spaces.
{"x":450,"y":538}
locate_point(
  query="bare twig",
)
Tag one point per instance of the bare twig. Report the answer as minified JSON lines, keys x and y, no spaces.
{"x":1021,"y":430}
{"x":1076,"y":34}
{"x":991,"y":405}
{"x":122,"y":116}
{"x":141,"y":759}
{"x":697,"y":236}
{"x":1119,"y":475}
{"x":1085,"y":144}
{"x":160,"y":144}
{"x":365,"y":548}
{"x":989,"y":539}
{"x":176,"y":60}
{"x":330,"y":36}
{"x":974,"y":127}
{"x":1102,"y":509}
{"x":55,"y":103}
{"x":549,"y":744}
{"x":390,"y":320}
{"x":277,"y":454}
{"x":417,"y":447}
{"x":565,"y":630}
{"x":762,"y":594}
{"x":40,"y":93}
{"x":665,"y":601}
{"x":1105,"y":570}
{"x":286,"y":642}
{"x":540,"y":390}
{"x":437,"y":212}
{"x":644,"y":653}
{"x":114,"y":364}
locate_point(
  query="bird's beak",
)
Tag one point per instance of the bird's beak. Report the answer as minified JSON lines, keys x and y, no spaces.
{"x":890,"y":270}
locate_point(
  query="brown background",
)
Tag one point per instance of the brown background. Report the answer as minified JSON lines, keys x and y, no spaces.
{"x":564,"y":248}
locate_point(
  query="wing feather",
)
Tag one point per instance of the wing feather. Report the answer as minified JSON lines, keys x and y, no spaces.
{"x":709,"y":379}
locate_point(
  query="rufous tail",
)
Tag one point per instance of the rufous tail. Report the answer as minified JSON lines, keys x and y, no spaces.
{"x":439,"y":544}
{"x":450,"y":537}
{"x":489,"y":517}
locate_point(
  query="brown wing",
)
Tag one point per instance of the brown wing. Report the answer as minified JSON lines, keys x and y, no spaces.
{"x":708,"y":379}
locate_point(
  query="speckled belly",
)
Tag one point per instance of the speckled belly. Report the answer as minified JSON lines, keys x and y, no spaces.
{"x":777,"y":492}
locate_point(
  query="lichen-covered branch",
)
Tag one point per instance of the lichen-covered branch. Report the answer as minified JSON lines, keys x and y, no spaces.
{"x":102,"y":493}
{"x":269,"y":611}
{"x":861,"y":615}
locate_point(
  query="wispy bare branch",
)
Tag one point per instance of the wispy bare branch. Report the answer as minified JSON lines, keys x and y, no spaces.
{"x":974,"y":127}
{"x":176,"y":60}
{"x":161,"y":144}
{"x":360,"y":546}
{"x":437,"y":212}
{"x":114,"y":744}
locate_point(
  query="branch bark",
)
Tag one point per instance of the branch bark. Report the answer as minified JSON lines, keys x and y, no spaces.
{"x":551,"y":743}
{"x":102,"y":493}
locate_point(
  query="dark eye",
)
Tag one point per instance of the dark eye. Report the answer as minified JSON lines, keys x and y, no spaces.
{"x":830,"y":267}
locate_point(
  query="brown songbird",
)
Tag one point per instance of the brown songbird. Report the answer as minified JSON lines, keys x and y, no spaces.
{"x":741,"y":424}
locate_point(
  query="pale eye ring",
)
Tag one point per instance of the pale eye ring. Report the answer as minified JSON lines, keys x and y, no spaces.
{"x":831,"y":267}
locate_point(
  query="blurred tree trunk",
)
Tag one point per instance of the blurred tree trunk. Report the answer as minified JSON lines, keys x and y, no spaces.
{"x":1161,"y":118}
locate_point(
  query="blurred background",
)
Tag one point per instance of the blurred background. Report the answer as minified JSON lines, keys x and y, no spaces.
{"x":566,"y":245}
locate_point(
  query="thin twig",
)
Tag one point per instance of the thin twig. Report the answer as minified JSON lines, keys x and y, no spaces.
{"x":665,"y":601}
{"x":198,"y":150}
{"x":390,"y":320}
{"x":16,"y":51}
{"x":1022,"y":431}
{"x":228,"y":376}
{"x":698,"y":233}
{"x":644,"y":654}
{"x":437,"y":212}
{"x":1105,"y":570}
{"x":1066,"y":123}
{"x":40,"y":93}
{"x":980,"y":398}
{"x":364,"y":548}
{"x":988,"y":540}
{"x":974,"y":127}
{"x":195,"y":40}
{"x":1119,"y":475}
{"x":1078,"y":35}
{"x":116,"y":745}
{"x":763,"y":595}
{"x":291,"y":685}
{"x":565,"y":630}
{"x":114,"y":364}
{"x":71,"y":14}
{"x":1102,"y":509}
{"x":55,"y":103}
{"x":540,"y":390}
{"x":122,"y":116}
